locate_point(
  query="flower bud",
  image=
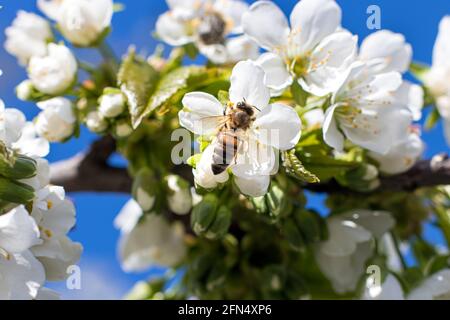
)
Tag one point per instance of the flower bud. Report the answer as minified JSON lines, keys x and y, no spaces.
{"x":95,"y":122}
{"x":27,"y":36}
{"x":24,"y":90}
{"x":143,"y":189}
{"x":19,"y":167}
{"x":204,"y":214}
{"x":179,"y":196}
{"x":54,"y":73}
{"x":123,"y":129}
{"x":112,"y":105}
{"x":56,"y":122}
{"x":15,"y":192}
{"x":84,"y":22}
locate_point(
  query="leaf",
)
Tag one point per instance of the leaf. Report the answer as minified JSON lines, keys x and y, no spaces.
{"x":300,"y":96}
{"x":432,"y":119}
{"x":419,"y":70}
{"x":295,"y":168}
{"x":137,"y":80}
{"x":170,"y":84}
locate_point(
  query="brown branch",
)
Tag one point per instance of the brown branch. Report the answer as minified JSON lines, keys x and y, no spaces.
{"x":90,"y":172}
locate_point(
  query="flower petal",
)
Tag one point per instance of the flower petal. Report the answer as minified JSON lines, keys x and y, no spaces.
{"x":388,"y":47}
{"x":202,"y":113}
{"x":331,"y":134}
{"x":232,"y":10}
{"x":327,"y":62}
{"x":247,"y":83}
{"x":442,"y":46}
{"x":256,"y":186}
{"x":172,"y":30}
{"x":241,"y":48}
{"x":254,"y":159}
{"x":277,"y":76}
{"x":261,"y":13}
{"x":203,"y":174}
{"x":312,"y":21}
{"x":278,"y":126}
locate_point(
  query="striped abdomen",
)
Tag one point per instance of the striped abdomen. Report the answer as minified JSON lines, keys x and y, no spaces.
{"x":224,"y":151}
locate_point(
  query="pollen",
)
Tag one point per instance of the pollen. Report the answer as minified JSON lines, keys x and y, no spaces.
{"x":49,"y":204}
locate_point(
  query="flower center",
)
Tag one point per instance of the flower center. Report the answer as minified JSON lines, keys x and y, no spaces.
{"x":211,"y":29}
{"x":5,"y":254}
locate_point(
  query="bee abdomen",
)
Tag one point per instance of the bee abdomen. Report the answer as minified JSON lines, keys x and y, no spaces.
{"x":224,"y":152}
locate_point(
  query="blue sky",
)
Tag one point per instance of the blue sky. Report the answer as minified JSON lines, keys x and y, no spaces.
{"x":102,"y":277}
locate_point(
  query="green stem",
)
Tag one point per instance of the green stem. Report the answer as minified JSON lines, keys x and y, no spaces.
{"x":397,"y":250}
{"x":86,"y":67}
{"x":108,"y":54}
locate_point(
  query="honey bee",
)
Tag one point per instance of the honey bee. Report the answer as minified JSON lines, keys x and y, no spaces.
{"x":237,"y":119}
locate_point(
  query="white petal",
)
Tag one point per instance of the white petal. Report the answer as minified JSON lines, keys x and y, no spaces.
{"x":30,"y":144}
{"x":203,"y":174}
{"x":50,"y":8}
{"x":18,"y":231}
{"x":411,"y":95}
{"x":201,"y":114}
{"x":129,"y":216}
{"x":256,"y":186}
{"x":232,"y":10}
{"x":436,"y":287}
{"x":402,"y":156}
{"x":254,"y":159}
{"x":277,"y":77}
{"x":12,"y":123}
{"x":278,"y":126}
{"x":375,"y":132}
{"x":217,"y":53}
{"x":313,"y":20}
{"x":327,"y":63}
{"x":247,"y":83}
{"x":377,"y":222}
{"x":172,"y":30}
{"x":261,"y":13}
{"x":331,"y":134}
{"x":441,"y":49}
{"x":388,"y":47}
{"x":241,"y":48}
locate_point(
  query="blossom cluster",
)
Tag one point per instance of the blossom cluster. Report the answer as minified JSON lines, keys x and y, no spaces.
{"x":34,"y":246}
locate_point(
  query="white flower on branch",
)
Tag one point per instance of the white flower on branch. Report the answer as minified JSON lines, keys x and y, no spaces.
{"x":437,"y":79}
{"x":343,"y":256}
{"x":273,"y":127}
{"x":56,"y":122}
{"x":55,"y":72}
{"x":314,"y":50}
{"x":111,"y":105}
{"x":148,"y":239}
{"x":366,"y":111}
{"x":402,"y":156}
{"x":55,"y":216}
{"x":82,"y":22}
{"x":27,"y":36}
{"x":95,"y":122}
{"x":179,"y":198}
{"x":435,"y":287}
{"x":208,"y":24}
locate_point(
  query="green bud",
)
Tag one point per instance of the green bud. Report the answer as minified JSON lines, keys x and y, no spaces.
{"x":221,"y":224}
{"x":179,"y":197}
{"x":204,"y":214}
{"x":260,"y":205}
{"x":15,"y":192}
{"x":292,"y":234}
{"x":143,"y":192}
{"x":17,"y":167}
{"x":311,"y":225}
{"x":276,"y":202}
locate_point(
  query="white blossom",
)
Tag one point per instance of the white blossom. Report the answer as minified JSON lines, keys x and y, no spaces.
{"x":366,"y":111}
{"x":111,"y":105}
{"x":24,"y":90}
{"x":54,"y":72}
{"x":179,"y":198}
{"x":208,"y":24}
{"x":27,"y":36}
{"x":276,"y":127}
{"x":56,"y":121}
{"x":148,"y":239}
{"x":343,"y":256}
{"x":95,"y":122}
{"x":123,"y":129}
{"x":437,"y":79}
{"x":402,"y":156}
{"x":314,"y":49}
{"x":82,"y":22}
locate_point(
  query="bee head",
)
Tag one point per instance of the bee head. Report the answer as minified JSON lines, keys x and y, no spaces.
{"x":244,"y":106}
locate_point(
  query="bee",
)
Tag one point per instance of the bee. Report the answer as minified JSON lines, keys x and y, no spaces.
{"x":237,"y":119}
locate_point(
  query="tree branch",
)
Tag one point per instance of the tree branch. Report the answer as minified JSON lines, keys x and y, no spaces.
{"x":90,"y":172}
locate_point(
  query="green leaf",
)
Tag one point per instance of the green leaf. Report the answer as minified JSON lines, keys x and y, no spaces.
{"x":419,"y":70}
{"x":15,"y":192}
{"x":292,"y":234}
{"x":137,"y":80}
{"x":170,"y":84}
{"x":204,"y":214}
{"x":432,"y":119}
{"x":311,"y":225}
{"x":221,"y":224}
{"x":295,"y":168}
{"x":300,"y":96}
{"x":277,"y":202}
